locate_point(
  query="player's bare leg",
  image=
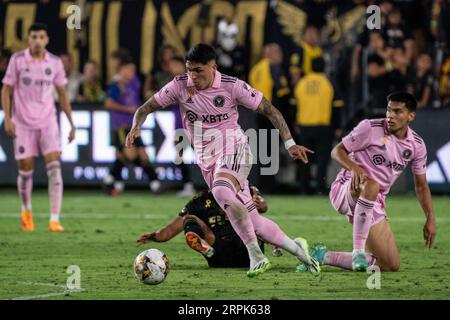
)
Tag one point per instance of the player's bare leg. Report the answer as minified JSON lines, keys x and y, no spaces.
{"x":55,"y":189}
{"x":381,"y":243}
{"x":198,"y":235}
{"x":225,"y":188}
{"x":25,"y":188}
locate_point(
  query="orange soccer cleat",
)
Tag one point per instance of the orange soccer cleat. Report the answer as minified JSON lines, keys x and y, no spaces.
{"x":55,"y":226}
{"x":26,"y":218}
{"x":194,"y":241}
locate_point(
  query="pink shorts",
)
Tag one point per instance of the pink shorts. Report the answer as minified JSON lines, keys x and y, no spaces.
{"x":238,"y":164}
{"x":31,"y":142}
{"x":342,"y":201}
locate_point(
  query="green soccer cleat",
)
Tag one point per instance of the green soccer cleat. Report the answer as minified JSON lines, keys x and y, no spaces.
{"x":314,"y":266}
{"x":317,"y":253}
{"x":259,"y":268}
{"x":359,"y":262}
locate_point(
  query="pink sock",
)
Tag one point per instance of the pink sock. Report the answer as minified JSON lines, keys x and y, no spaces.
{"x":265,"y":229}
{"x":362,"y":222}
{"x":25,"y":186}
{"x":225,"y":195}
{"x":55,"y":188}
{"x":344,"y":259}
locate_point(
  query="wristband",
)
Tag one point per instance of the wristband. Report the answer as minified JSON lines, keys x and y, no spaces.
{"x":289,"y":143}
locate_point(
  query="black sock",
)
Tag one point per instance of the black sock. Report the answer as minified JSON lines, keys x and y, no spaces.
{"x":116,"y":170}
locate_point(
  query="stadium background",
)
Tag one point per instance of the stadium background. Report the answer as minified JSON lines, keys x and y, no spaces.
{"x":144,"y":26}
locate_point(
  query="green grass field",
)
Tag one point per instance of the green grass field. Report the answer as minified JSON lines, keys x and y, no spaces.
{"x":101,"y":232}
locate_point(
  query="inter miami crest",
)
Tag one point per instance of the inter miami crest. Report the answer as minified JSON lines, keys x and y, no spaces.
{"x":190,"y":94}
{"x":48,"y":71}
{"x":407,"y":154}
{"x":219,"y":101}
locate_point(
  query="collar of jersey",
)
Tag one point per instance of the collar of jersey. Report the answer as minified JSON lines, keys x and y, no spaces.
{"x":30,"y":58}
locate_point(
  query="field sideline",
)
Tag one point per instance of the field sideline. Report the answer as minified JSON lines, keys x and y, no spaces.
{"x":100,"y":239}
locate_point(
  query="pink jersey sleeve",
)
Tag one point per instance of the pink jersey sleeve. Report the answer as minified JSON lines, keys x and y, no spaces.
{"x":60,"y":75}
{"x":168,"y":95}
{"x":419,"y":163}
{"x":10,"y":77}
{"x":359,"y":138}
{"x":246,"y":96}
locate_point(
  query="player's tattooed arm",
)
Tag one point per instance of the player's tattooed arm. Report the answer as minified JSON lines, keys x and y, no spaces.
{"x":139,"y":118}
{"x":164,"y":234}
{"x":274,"y":115}
{"x":424,"y":196}
{"x":268,"y":110}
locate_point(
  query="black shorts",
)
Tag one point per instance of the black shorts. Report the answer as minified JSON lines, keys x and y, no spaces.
{"x":119,"y":135}
{"x":230,"y":252}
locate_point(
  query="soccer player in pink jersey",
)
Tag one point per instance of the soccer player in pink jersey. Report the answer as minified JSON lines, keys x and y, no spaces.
{"x":208,"y":102}
{"x":372,"y":157}
{"x":31,"y":77}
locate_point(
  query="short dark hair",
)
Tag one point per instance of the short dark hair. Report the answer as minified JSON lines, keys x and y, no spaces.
{"x":318,"y":64}
{"x":407,"y":98}
{"x":201,"y":53}
{"x":38,"y":27}
{"x":126,"y":60}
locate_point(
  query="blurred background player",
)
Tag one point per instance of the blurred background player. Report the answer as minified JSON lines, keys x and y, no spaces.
{"x":122,"y":100}
{"x":206,"y":95}
{"x":31,"y":78}
{"x":207,"y":230}
{"x":372,"y":157}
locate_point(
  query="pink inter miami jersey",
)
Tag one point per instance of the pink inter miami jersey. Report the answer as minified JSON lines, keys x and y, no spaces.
{"x":210,"y":116}
{"x":382,"y":155}
{"x":33,"y":83}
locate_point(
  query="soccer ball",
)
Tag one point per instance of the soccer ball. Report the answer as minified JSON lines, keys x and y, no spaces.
{"x":151,"y":266}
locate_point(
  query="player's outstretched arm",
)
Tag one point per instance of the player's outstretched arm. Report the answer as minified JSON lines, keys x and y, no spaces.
{"x":139,"y":118}
{"x":424,"y":196}
{"x":164,"y":234}
{"x":6,"y":104}
{"x":268,"y":110}
{"x":66,"y":107}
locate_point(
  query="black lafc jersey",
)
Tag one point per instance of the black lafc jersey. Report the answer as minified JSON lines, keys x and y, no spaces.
{"x":208,"y":210}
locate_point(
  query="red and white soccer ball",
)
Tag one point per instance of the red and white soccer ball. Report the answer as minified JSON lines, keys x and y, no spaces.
{"x":151,"y":266}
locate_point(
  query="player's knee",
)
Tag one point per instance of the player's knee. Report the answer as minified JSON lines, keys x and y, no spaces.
{"x":391,"y":266}
{"x":370,"y":188}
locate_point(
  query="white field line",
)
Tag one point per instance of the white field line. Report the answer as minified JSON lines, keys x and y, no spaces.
{"x":45,"y":295}
{"x":107,"y":216}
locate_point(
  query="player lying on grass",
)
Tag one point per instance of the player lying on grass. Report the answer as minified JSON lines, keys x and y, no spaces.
{"x":208,"y":101}
{"x":372,"y":157}
{"x":208,"y":231}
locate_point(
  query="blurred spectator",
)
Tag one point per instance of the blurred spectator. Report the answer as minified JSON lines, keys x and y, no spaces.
{"x":123,"y":99}
{"x":74,"y":77}
{"x":444,"y":88}
{"x":420,"y":82}
{"x":160,"y":75}
{"x":5,"y":54}
{"x":300,"y":61}
{"x":398,"y":35}
{"x":269,"y":77}
{"x":364,"y":38}
{"x":230,"y":56}
{"x":115,"y":58}
{"x":90,"y":88}
{"x":317,"y":122}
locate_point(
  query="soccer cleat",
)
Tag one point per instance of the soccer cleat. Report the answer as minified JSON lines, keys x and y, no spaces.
{"x":359,"y":262}
{"x":115,"y":192}
{"x":26,"y":218}
{"x":55,"y":226}
{"x":194,"y":241}
{"x":314,"y":265}
{"x":259,"y":268}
